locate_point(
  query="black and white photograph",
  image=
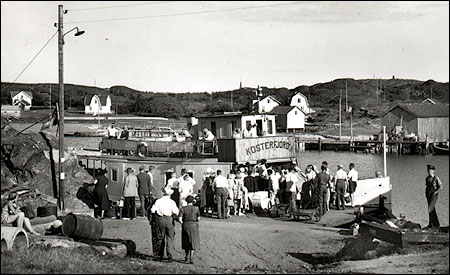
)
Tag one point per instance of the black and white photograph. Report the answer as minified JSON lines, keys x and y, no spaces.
{"x":225,"y":137}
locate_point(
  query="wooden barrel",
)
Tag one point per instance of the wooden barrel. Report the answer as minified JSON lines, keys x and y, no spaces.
{"x":47,"y":211}
{"x":82,"y":227}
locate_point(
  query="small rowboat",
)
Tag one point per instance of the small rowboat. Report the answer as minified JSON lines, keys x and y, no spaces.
{"x":440,"y":149}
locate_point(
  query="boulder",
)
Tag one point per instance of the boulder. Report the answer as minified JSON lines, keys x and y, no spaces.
{"x":32,"y":161}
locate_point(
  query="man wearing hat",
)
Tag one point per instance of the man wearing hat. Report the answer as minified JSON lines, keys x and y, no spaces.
{"x":144,"y":189}
{"x":130,"y":192}
{"x":433,"y":186}
{"x":165,"y":208}
{"x":340,"y":185}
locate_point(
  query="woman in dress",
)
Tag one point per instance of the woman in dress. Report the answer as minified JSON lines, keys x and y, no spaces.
{"x":190,"y":238}
{"x":100,"y":195}
{"x":238,"y":193}
{"x":11,"y":213}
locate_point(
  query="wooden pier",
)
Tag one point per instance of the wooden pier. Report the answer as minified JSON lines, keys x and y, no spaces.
{"x":368,"y":146}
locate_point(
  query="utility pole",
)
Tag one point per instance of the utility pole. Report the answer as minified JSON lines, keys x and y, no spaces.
{"x":431,"y":93}
{"x":340,"y":112}
{"x":61,"y":105}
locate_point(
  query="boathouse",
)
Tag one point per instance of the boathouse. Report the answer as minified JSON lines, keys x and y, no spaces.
{"x":223,"y":125}
{"x":289,"y":118}
{"x":429,"y":122}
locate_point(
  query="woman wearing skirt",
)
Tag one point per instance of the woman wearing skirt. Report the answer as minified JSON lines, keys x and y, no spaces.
{"x":190,"y":239}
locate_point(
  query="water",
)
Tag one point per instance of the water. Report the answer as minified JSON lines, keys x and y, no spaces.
{"x":407,"y":174}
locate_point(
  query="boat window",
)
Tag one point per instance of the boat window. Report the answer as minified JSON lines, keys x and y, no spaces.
{"x":269,"y":127}
{"x":168,"y":176}
{"x":113,"y":174}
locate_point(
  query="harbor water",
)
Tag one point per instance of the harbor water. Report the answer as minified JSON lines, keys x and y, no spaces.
{"x":407,"y":174}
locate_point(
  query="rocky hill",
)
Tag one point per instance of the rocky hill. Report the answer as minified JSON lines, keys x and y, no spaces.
{"x":362,"y":93}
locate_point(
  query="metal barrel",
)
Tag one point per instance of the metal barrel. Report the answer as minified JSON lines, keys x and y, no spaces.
{"x":82,"y":227}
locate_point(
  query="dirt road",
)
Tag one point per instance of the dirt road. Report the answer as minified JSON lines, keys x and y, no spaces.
{"x":261,"y":244}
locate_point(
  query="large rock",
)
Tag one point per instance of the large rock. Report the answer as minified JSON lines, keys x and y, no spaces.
{"x":31,"y":160}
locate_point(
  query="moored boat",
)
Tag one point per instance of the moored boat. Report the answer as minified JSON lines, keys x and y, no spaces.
{"x":440,"y":148}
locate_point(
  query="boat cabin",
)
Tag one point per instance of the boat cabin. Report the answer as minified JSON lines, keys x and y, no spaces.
{"x":223,"y":125}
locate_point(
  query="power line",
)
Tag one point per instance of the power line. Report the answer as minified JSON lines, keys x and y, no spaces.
{"x":185,"y":13}
{"x":29,"y":63}
{"x":122,"y":6}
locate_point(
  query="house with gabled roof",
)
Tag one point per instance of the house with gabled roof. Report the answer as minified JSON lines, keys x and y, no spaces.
{"x":97,"y":104}
{"x":266,"y":104}
{"x":430,"y":101}
{"x":23,"y":99}
{"x":301,"y":101}
{"x":288,"y":118}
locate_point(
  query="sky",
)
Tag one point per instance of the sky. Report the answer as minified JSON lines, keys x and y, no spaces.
{"x":208,"y":46}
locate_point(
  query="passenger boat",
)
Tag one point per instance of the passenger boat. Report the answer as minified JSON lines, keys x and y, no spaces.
{"x":223,"y":154}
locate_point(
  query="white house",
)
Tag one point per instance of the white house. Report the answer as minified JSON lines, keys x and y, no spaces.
{"x":22,"y":99}
{"x":301,"y":102}
{"x":266,"y":104}
{"x":289,"y":118}
{"x":97,"y":104}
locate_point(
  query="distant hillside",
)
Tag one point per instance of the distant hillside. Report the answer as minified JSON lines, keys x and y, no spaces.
{"x":324,"y":97}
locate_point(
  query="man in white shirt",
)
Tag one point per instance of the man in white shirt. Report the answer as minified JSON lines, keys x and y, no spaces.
{"x":112,"y":131}
{"x":340,"y":185}
{"x":185,"y":188}
{"x":247,"y":133}
{"x":173,"y":184}
{"x":165,"y":208}
{"x":208,"y":135}
{"x":254,"y":130}
{"x":291,"y":187}
{"x":220,"y":186}
{"x":352,"y":181}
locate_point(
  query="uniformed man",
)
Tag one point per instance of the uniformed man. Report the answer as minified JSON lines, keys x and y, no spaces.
{"x":433,"y":186}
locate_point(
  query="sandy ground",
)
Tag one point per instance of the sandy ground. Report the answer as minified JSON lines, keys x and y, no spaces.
{"x":261,"y":244}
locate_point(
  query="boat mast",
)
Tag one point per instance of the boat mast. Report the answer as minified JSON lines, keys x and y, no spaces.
{"x":384,"y":151}
{"x":340,"y":111}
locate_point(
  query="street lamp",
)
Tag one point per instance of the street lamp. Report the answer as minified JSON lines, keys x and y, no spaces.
{"x":61,"y":100}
